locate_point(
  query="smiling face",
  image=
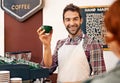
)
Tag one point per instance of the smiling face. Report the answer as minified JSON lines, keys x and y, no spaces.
{"x":72,"y":22}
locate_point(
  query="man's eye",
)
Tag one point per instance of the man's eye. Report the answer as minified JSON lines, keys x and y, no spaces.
{"x":76,"y":18}
{"x":67,"y":19}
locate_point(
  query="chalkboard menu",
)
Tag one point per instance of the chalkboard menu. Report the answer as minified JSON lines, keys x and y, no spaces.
{"x":93,"y":22}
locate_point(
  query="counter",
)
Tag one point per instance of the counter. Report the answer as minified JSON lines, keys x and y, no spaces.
{"x":24,"y":71}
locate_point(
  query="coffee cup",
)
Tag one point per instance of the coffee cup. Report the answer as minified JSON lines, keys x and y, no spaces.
{"x":16,"y":80}
{"x":47,"y":28}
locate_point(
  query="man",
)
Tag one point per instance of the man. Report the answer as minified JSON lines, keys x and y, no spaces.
{"x":77,"y":56}
{"x":112,"y":36}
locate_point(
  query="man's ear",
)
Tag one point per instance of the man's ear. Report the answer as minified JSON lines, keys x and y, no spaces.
{"x":81,"y":21}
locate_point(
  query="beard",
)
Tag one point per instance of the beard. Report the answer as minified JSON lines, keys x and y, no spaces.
{"x":78,"y":28}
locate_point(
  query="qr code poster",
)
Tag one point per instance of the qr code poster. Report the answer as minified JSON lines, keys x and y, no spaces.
{"x":93,"y":22}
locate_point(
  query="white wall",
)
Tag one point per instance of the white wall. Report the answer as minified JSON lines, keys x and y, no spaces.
{"x":52,"y":15}
{"x":1,"y":32}
{"x":110,"y":60}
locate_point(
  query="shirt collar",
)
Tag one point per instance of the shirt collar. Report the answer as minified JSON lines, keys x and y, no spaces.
{"x":74,"y":40}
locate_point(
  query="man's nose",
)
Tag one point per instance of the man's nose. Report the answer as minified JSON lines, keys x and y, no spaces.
{"x":71,"y":22}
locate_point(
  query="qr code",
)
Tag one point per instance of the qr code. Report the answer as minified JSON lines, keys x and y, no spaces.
{"x":94,"y":25}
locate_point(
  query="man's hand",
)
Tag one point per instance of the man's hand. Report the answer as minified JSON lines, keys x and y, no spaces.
{"x":44,"y":37}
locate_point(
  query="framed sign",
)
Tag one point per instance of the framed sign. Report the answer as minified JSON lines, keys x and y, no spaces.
{"x":93,"y":23}
{"x":21,"y":9}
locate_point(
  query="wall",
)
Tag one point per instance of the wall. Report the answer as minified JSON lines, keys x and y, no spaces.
{"x":20,"y":36}
{"x":110,"y":60}
{"x":52,"y":15}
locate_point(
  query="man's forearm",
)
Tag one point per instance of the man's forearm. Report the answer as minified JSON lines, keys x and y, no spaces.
{"x":47,"y":56}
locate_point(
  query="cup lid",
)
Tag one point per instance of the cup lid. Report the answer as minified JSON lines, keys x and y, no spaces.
{"x":16,"y":78}
{"x":4,"y":71}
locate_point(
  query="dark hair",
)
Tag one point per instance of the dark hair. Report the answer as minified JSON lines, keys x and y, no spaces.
{"x":112,"y":20}
{"x":73,"y":8}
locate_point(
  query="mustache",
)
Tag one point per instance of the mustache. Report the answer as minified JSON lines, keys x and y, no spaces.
{"x":75,"y":32}
{"x":72,"y":26}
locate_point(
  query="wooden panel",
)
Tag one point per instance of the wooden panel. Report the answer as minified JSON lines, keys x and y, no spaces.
{"x":21,"y":36}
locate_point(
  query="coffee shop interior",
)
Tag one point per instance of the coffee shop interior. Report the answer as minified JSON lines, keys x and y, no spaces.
{"x":18,"y":35}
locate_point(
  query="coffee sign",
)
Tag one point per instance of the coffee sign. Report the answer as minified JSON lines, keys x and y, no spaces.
{"x":21,"y":9}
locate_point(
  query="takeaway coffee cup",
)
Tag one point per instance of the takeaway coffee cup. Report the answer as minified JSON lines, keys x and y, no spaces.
{"x":16,"y":80}
{"x":4,"y":76}
{"x":47,"y":28}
